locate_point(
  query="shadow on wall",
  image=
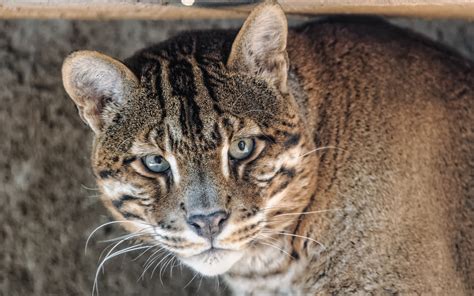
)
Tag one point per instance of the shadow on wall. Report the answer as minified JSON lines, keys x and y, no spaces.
{"x":48,"y":201}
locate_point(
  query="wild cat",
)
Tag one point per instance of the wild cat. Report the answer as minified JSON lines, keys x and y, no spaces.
{"x":334,"y":158}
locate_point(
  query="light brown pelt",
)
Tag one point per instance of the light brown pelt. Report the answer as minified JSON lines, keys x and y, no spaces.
{"x":361,"y":171}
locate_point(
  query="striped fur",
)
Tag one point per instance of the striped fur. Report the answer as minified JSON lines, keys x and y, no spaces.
{"x":359,"y":129}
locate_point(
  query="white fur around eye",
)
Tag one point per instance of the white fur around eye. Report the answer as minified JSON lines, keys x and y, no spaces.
{"x":225,"y":160}
{"x":174,"y":167}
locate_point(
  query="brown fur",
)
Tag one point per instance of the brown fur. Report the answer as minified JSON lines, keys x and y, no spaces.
{"x":399,"y":110}
{"x":364,"y":149}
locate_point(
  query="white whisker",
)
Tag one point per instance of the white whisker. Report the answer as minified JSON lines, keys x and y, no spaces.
{"x":153,"y":258}
{"x":269,"y":237}
{"x":300,"y":236}
{"x":200,"y":282}
{"x":163,"y":267}
{"x":89,"y":188}
{"x":143,"y":253}
{"x":318,"y":149}
{"x":273,"y":208}
{"x":122,"y":239}
{"x":103,"y":225}
{"x":109,"y":256}
{"x":275,"y":247}
{"x":141,"y":232}
{"x":190,"y":280}
{"x":173,"y":265}
{"x":307,"y":213}
{"x":112,"y":246}
{"x":158,"y":264}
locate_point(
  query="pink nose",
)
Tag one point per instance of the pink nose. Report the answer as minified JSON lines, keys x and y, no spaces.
{"x":208,"y":226}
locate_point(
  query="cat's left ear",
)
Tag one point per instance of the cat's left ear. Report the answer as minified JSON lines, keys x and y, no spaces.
{"x":260,"y":46}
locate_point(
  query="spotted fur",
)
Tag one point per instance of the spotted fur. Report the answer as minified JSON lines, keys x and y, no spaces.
{"x":361,"y":179}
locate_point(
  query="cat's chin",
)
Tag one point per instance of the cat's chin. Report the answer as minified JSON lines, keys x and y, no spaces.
{"x":213,"y":262}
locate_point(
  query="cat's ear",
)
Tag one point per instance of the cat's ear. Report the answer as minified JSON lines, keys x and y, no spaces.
{"x":94,"y":82}
{"x":260,"y":46}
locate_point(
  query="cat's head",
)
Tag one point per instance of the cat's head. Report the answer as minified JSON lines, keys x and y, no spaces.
{"x":198,"y":141}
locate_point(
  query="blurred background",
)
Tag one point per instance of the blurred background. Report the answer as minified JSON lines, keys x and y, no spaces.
{"x":48,"y":201}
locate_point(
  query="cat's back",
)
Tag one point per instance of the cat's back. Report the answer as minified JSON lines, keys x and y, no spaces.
{"x":372,"y":73}
{"x":370,"y":70}
{"x":397,"y":64}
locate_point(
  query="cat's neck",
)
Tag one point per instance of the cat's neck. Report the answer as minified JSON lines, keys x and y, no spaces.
{"x":271,"y":262}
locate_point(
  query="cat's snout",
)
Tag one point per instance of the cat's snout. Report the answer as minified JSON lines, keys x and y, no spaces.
{"x":208,"y":226}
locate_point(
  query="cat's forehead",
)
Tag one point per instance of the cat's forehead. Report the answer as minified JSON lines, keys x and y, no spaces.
{"x":189,"y":73}
{"x":189,"y":99}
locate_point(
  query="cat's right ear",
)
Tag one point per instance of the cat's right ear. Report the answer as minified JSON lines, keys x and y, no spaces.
{"x":94,"y":82}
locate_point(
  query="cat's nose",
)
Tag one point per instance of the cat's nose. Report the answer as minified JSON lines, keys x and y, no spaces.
{"x":210,"y":225}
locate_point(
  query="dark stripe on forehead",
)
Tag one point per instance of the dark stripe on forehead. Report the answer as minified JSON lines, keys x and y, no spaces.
{"x":181,"y":78}
{"x":185,"y":127}
{"x":158,"y":87}
{"x":182,"y":82}
{"x":213,"y":76}
{"x":210,"y":84}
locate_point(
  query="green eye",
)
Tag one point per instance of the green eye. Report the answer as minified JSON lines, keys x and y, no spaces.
{"x":242,"y":148}
{"x":155,"y":163}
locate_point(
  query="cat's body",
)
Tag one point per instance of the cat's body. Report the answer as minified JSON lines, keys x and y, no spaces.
{"x":360,"y":175}
{"x":396,"y":113}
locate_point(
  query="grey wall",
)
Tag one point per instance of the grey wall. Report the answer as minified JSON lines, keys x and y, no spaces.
{"x":48,"y":204}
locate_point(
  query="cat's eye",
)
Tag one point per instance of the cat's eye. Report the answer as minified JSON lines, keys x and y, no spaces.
{"x":155,"y":163}
{"x":242,"y":148}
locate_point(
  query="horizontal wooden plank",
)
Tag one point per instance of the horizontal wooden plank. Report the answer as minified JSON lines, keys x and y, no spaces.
{"x":162,"y":9}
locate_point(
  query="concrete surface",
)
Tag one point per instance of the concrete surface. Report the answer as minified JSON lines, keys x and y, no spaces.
{"x":48,"y":204}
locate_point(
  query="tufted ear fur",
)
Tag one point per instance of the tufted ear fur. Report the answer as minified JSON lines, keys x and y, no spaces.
{"x":260,"y":46}
{"x":95,"y":81}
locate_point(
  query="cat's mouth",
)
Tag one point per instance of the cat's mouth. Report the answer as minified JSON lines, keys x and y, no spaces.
{"x":213,"y":261}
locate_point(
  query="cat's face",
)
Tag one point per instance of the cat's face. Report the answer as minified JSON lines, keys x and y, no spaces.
{"x":176,"y":167}
{"x":197,"y":153}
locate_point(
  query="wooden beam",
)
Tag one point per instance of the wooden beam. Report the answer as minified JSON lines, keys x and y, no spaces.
{"x":174,"y":10}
